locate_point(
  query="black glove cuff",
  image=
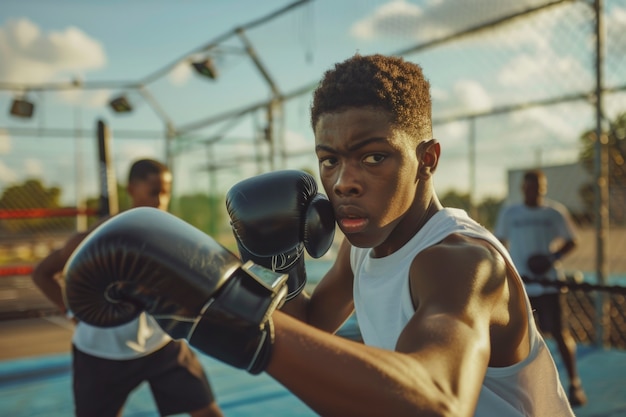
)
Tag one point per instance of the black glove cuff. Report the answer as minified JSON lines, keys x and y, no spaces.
{"x":236,"y":326}
{"x":264,"y":354}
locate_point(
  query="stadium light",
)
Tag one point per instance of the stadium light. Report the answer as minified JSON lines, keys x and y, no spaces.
{"x":205,"y":68}
{"x":22,"y":108}
{"x":121,"y":105}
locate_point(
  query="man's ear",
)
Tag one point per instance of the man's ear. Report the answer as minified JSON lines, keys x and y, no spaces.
{"x":428,"y":156}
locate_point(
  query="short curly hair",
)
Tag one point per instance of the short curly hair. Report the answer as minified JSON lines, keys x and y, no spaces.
{"x":383,"y":82}
{"x":142,"y":168}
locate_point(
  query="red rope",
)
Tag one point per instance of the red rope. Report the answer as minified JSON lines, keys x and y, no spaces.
{"x":7,"y":271}
{"x":38,"y":213}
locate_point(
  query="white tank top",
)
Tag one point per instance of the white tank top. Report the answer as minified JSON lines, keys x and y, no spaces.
{"x":383,"y":306}
{"x":137,"y":338}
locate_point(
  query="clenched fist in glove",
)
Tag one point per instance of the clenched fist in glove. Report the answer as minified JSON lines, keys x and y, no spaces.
{"x":145,"y":259}
{"x":276,"y":216}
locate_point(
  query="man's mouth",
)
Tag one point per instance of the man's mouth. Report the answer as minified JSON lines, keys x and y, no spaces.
{"x":352,"y":224}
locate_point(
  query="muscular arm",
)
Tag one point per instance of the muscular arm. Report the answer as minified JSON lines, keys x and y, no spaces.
{"x":44,"y":274}
{"x":566,"y":248}
{"x":440,"y":359}
{"x":331,"y":303}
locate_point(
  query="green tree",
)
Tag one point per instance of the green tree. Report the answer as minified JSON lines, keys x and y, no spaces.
{"x":205,"y":212}
{"x":123,"y":200}
{"x":616,"y":136}
{"x":32,"y":194}
{"x":200,"y":210}
{"x":487,"y":210}
{"x":453,"y":198}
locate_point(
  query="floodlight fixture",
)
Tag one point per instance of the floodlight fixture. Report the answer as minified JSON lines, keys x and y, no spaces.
{"x":205,"y":68}
{"x":22,"y":108}
{"x":121,"y":105}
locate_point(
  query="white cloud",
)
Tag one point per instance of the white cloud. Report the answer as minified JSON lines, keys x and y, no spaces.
{"x":472,"y":96}
{"x":526,"y":68}
{"x":7,"y":175}
{"x":438,"y":94}
{"x":466,"y":96}
{"x":97,"y":98}
{"x":30,"y":56}
{"x":296,"y":142}
{"x":127,"y":152}
{"x":452,"y":134}
{"x":33,"y":167}
{"x":618,"y":16}
{"x":180,"y":74}
{"x":86,"y":98}
{"x":393,"y":18}
{"x":616,"y":27}
{"x":546,"y":121}
{"x":438,"y":18}
{"x":5,"y":142}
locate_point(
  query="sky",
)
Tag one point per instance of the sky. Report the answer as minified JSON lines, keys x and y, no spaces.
{"x":143,"y":49}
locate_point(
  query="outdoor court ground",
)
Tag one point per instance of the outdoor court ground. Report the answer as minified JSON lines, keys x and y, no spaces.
{"x":35,"y":379}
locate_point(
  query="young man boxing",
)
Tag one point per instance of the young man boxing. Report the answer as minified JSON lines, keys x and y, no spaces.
{"x":447,"y":325}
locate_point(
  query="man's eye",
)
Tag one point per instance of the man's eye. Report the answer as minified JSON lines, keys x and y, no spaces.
{"x":374,"y":158}
{"x":328,"y":162}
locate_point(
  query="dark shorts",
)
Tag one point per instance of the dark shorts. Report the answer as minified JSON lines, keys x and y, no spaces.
{"x":175,"y":375}
{"x":547,"y":310}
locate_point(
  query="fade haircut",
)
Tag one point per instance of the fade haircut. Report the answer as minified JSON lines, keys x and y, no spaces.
{"x":382,"y":82}
{"x":534,"y":175}
{"x":142,"y":168}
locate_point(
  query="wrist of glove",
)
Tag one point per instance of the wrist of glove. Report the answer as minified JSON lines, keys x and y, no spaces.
{"x":290,"y":263}
{"x":236,"y":327}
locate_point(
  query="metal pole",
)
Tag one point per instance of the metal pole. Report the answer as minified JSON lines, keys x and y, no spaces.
{"x":269,"y":135}
{"x":601,"y":187}
{"x":81,"y":217}
{"x":276,"y":97}
{"x":212,"y":190}
{"x":170,"y":135}
{"x":472,"y":168}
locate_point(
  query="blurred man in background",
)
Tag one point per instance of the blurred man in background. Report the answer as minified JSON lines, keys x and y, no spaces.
{"x":531,"y":230}
{"x":109,"y":363}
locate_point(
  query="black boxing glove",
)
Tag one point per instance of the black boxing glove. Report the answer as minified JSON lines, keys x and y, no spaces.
{"x":145,"y":259}
{"x":276,"y":216}
{"x":540,"y":263}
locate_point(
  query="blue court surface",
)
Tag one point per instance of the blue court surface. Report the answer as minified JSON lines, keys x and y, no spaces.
{"x":41,"y":386}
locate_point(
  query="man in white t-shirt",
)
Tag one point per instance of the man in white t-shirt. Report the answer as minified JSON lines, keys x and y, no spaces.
{"x":538,"y":233}
{"x":109,"y":363}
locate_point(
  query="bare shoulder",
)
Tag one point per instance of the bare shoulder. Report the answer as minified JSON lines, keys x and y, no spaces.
{"x":459,"y":267}
{"x":72,"y":243}
{"x":467,"y":279}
